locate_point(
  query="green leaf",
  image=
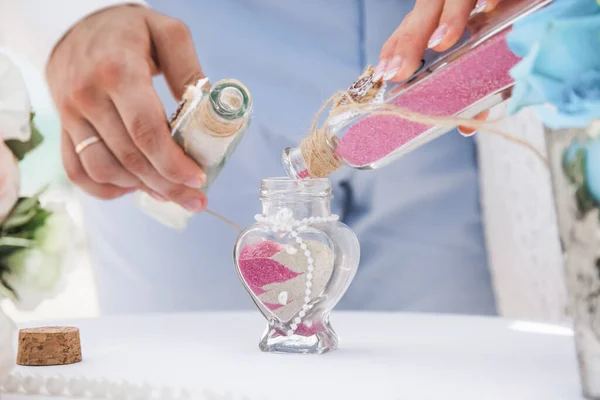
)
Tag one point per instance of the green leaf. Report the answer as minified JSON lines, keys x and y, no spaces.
{"x":585,"y":201}
{"x":21,"y":149}
{"x":9,"y":245}
{"x":18,"y":220}
{"x":9,"y":242}
{"x":9,"y":288}
{"x":575,"y":170}
{"x":26,"y":203}
{"x":38,"y":220}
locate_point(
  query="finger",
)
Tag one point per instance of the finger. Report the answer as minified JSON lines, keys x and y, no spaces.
{"x":466,"y":131}
{"x":129,"y":86}
{"x":146,"y":122}
{"x":412,"y":37}
{"x":485,"y":5}
{"x":77,"y":175}
{"x":97,"y":160}
{"x":387,"y":53}
{"x":452,"y":24}
{"x":106,"y":120}
{"x":175,"y":53}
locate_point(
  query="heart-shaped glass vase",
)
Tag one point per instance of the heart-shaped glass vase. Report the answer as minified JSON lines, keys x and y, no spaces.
{"x":296,"y":262}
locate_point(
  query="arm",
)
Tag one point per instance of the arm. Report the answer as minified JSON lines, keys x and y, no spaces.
{"x":34,"y":27}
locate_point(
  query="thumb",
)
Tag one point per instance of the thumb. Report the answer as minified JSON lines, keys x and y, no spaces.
{"x":174,"y":53}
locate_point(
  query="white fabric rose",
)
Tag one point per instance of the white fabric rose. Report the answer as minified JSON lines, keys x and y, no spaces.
{"x":15,"y":106}
{"x":53,"y":236}
{"x":7,"y":355}
{"x":15,"y":109}
{"x":37,"y":273}
{"x":9,"y":180}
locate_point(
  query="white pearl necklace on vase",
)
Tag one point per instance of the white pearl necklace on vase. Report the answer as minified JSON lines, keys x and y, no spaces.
{"x":284,"y":222}
{"x":80,"y":387}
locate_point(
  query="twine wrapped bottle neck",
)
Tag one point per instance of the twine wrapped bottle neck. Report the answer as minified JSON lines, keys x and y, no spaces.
{"x":318,"y":150}
{"x":215,"y":124}
{"x":319,"y":155}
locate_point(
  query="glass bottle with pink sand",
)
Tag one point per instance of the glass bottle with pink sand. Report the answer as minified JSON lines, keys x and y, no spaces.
{"x":296,"y":262}
{"x":464,"y":81}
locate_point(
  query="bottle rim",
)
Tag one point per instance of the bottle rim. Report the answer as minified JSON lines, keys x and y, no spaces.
{"x":225,"y":112}
{"x":299,"y":188}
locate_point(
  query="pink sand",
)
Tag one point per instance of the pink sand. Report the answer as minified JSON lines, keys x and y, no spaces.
{"x":477,"y":75}
{"x":258,"y":272}
{"x":304,"y":330}
{"x":264,"y":249}
{"x":259,"y":269}
{"x":303,"y":174}
{"x":273,"y":307}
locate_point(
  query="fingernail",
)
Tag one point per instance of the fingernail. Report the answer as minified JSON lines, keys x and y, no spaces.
{"x":438,"y":36}
{"x":194,"y":205}
{"x":156,"y":196}
{"x":466,"y":134}
{"x":393,"y":68}
{"x":379,"y":70}
{"x":196,"y":182}
{"x":480,"y":6}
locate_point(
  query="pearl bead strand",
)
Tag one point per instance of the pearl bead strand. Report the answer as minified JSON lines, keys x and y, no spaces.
{"x":284,"y":222}
{"x":79,"y":387}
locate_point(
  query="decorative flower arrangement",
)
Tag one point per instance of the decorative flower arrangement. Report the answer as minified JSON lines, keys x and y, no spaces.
{"x":559,"y":76}
{"x":581,"y":163}
{"x":33,"y":239}
{"x":560,"y":70}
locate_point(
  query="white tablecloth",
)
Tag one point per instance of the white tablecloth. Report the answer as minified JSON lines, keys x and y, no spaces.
{"x":381,"y":357}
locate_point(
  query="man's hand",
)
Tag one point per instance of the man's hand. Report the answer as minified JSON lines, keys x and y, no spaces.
{"x":100,"y":77}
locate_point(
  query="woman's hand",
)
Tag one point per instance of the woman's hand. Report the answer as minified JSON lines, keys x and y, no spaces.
{"x":433,"y":24}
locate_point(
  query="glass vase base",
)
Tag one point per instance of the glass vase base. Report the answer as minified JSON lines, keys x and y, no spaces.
{"x":318,"y":343}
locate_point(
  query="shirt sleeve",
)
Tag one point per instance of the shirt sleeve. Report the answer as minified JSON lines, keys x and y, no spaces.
{"x":32,"y":28}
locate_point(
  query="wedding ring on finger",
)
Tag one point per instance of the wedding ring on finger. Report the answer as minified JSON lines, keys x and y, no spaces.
{"x":84,"y":144}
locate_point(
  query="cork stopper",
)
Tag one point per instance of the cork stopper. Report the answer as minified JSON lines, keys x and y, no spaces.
{"x":363,"y":90}
{"x":49,"y":346}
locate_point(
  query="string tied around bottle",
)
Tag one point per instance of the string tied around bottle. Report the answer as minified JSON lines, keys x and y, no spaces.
{"x":213,"y":125}
{"x":318,"y":148}
{"x":194,"y":113}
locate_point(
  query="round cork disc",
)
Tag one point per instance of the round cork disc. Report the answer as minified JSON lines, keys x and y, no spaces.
{"x":49,"y":346}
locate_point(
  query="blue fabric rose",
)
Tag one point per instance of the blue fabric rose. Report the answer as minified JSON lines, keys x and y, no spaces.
{"x":560,"y":69}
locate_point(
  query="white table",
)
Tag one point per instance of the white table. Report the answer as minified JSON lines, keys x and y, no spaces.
{"x":381,"y":357}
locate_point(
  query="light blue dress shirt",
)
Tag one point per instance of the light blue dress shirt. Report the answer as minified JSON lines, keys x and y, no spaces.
{"x":418,"y":219}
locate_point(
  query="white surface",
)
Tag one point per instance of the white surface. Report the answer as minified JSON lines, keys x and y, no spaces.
{"x":382,"y":356}
{"x":520,"y":224}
